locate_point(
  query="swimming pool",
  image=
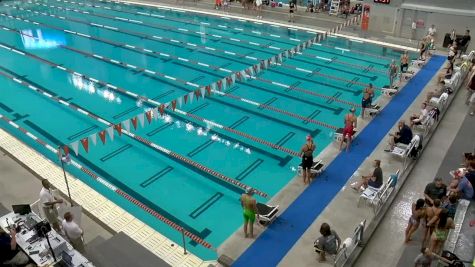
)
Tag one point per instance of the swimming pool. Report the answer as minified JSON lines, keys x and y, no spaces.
{"x":71,"y":71}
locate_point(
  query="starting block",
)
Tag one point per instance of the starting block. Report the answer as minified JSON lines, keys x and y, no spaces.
{"x":316,"y":169}
{"x":418,"y":63}
{"x":373,"y":110}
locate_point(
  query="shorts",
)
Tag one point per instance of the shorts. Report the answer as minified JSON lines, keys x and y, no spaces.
{"x":249,"y":215}
{"x":51,"y":215}
{"x":402,"y":141}
{"x":307,"y":162}
{"x":374,"y":184}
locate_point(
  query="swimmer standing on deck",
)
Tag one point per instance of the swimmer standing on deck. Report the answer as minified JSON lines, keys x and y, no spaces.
{"x":349,"y":130}
{"x":307,"y":159}
{"x":249,"y":206}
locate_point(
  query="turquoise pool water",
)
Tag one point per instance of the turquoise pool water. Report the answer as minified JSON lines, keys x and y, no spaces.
{"x":62,"y":47}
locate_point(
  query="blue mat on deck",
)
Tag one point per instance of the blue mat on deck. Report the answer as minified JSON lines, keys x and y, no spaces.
{"x":278,"y":239}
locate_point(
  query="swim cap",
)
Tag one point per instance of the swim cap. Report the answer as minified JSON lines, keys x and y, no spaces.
{"x":249,"y":190}
{"x":309,"y":137}
{"x":352,"y":109}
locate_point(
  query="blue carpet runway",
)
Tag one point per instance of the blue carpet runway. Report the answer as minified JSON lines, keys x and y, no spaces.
{"x":278,"y":239}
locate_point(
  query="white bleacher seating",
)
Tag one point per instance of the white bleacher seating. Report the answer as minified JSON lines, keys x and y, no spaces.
{"x":373,"y":195}
{"x":440,"y":101}
{"x":402,"y":150}
{"x":454,"y":81}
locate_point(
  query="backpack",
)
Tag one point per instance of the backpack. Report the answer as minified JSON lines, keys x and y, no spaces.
{"x":416,"y":149}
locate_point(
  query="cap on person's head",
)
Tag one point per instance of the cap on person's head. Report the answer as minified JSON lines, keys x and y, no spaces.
{"x":308,"y":138}
{"x":370,"y":85}
{"x":353,"y":109}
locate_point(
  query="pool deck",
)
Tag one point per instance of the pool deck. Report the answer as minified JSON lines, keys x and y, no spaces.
{"x":301,"y":252}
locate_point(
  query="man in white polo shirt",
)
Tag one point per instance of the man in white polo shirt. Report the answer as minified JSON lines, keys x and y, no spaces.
{"x":73,"y":232}
{"x":48,"y":202}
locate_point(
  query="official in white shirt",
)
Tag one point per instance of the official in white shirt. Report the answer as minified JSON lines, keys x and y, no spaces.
{"x":73,"y":232}
{"x":48,"y":203}
{"x":432,"y":30}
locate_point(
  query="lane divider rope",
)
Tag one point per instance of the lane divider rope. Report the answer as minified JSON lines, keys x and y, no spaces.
{"x":244,"y":100}
{"x":110,"y":186}
{"x":136,"y":137}
{"x":178,"y":111}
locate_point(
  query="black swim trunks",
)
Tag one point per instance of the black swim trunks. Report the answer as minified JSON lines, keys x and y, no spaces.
{"x":307,"y":162}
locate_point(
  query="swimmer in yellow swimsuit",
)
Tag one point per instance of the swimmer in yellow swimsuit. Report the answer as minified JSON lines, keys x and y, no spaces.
{"x":249,"y":206}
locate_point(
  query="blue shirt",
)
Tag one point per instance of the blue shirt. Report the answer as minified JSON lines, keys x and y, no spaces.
{"x":465,"y":187}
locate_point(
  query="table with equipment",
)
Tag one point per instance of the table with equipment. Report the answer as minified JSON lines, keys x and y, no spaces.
{"x":36,"y":238}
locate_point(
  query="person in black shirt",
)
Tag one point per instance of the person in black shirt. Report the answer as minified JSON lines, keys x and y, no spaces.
{"x":10,"y":255}
{"x":403,"y":136}
{"x":435,"y":190}
{"x":374,"y":180}
{"x":464,"y":42}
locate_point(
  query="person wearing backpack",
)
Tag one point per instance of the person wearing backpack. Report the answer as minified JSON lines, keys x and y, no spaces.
{"x":329,"y":242}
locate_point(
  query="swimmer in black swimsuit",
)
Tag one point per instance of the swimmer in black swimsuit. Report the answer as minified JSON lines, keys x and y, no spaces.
{"x":292,"y":9}
{"x":367,"y":100}
{"x":307,"y":159}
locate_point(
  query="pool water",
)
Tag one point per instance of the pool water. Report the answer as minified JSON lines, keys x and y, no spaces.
{"x":80,"y":52}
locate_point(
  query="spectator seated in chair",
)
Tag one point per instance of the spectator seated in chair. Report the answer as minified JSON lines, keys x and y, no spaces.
{"x":403,"y":136}
{"x":447,"y":74}
{"x":416,"y":119}
{"x":328,"y":243}
{"x":375,"y":179}
{"x":461,"y":187}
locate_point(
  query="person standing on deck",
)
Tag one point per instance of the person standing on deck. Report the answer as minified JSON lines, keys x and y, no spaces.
{"x":307,"y":159}
{"x":249,"y":205}
{"x":349,"y":129}
{"x":292,"y":10}
{"x":392,"y":73}
{"x":367,"y":101}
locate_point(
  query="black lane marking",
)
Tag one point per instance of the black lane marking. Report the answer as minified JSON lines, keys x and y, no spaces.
{"x":313,"y":72}
{"x":292,"y":86}
{"x":303,"y":100}
{"x":232,"y":89}
{"x":313,"y":81}
{"x":215,"y":99}
{"x":268,"y":102}
{"x":341,"y":55}
{"x":5,"y":107}
{"x":286,"y":138}
{"x":206,"y":205}
{"x":23,"y":77}
{"x":352,"y":82}
{"x":159,"y":129}
{"x":198,"y":108}
{"x":156,"y":176}
{"x":115,"y":152}
{"x":203,"y":234}
{"x":163,"y":95}
{"x":200,"y":148}
{"x":125,"y":112}
{"x":76,"y":135}
{"x":335,"y":96}
{"x":311,"y":116}
{"x":249,"y":169}
{"x":197,"y":79}
{"x":238,"y":122}
{"x":229,"y":63}
{"x":19,"y":117}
